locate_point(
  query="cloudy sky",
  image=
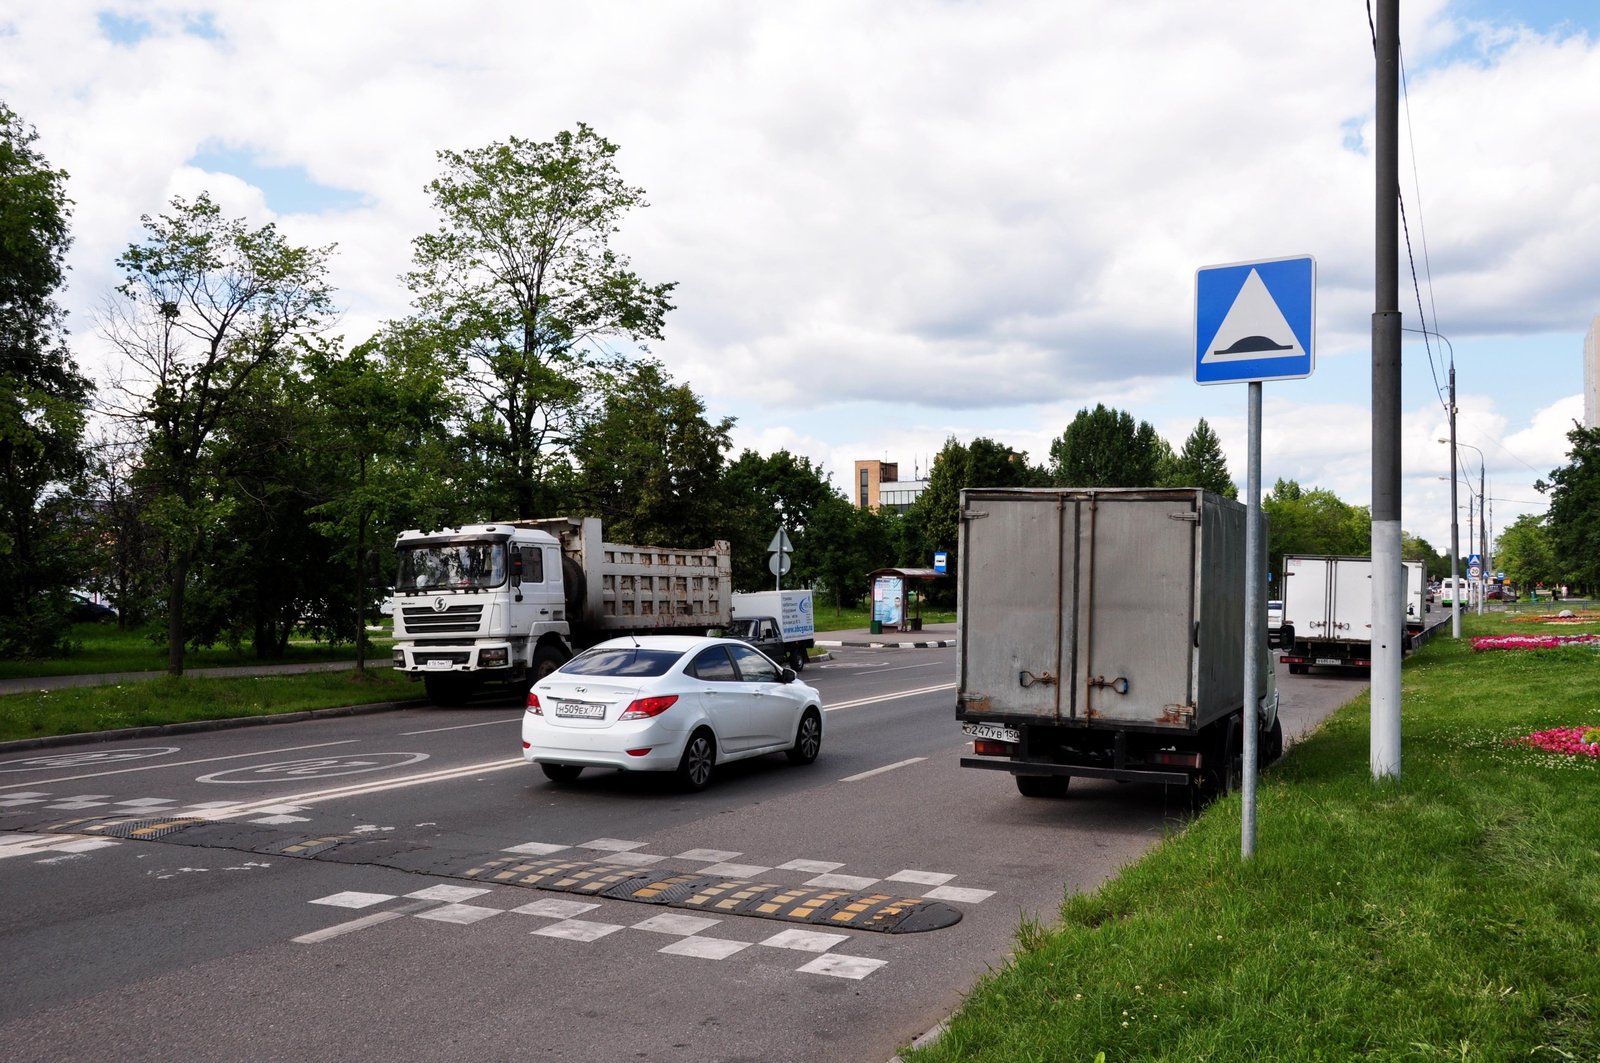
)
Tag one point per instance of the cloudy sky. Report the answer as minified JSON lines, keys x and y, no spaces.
{"x":893,"y":221}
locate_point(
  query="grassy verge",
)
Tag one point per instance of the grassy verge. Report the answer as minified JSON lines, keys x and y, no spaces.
{"x":102,"y":648}
{"x":160,"y":701}
{"x":1453,"y":914}
{"x":827,"y":618}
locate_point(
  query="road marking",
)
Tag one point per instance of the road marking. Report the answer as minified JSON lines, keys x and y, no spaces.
{"x":359,"y":789}
{"x":880,"y":771}
{"x":888,"y":697}
{"x":909,"y":667}
{"x":182,"y":763}
{"x":459,"y":727}
{"x":341,"y":929}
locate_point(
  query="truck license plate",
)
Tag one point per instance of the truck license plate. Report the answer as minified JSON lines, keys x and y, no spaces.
{"x":1329,"y":660}
{"x":580,"y":710}
{"x":438,"y":664}
{"x":993,"y":731}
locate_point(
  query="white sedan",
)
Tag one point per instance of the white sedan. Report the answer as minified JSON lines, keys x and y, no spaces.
{"x":668,"y":703}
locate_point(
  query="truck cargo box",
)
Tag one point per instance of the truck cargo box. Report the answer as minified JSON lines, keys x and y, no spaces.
{"x":1116,"y":609}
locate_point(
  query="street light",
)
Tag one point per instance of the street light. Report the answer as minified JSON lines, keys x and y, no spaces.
{"x":1483,"y":516}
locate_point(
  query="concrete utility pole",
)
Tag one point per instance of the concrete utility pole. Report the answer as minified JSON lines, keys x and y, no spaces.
{"x":1388,"y":625}
{"x":1455,"y":517}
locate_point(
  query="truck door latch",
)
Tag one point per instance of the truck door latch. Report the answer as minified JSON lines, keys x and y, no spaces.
{"x":1118,"y":685}
{"x":1028,"y":679}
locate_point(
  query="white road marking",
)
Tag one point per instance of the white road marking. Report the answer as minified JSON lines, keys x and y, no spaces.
{"x":458,"y":727}
{"x":340,"y":929}
{"x":182,"y":763}
{"x":358,"y":789}
{"x":888,"y":697}
{"x":879,"y":771}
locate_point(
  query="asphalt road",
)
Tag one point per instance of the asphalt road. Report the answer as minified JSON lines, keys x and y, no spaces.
{"x":221,"y":943}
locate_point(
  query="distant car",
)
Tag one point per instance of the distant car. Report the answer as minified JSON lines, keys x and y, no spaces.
{"x":1274,"y":623}
{"x":84,"y":611}
{"x":1501,"y":594}
{"x":668,"y":703}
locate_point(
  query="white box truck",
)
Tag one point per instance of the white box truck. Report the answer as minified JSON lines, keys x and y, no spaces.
{"x":779,"y":623}
{"x":511,"y":601}
{"x":1327,"y":610}
{"x":1101,"y":636}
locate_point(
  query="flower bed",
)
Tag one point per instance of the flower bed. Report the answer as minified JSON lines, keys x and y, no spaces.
{"x":1573,"y":741}
{"x":1530,"y":642}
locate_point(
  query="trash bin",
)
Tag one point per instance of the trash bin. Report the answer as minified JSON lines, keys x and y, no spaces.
{"x":916,"y":623}
{"x":877,"y":627}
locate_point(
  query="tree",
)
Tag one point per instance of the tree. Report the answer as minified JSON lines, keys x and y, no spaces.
{"x":650,"y":463}
{"x":520,"y":278}
{"x":1313,"y":521}
{"x":1105,"y":448}
{"x":42,"y":397}
{"x":380,"y":409}
{"x":933,"y":522}
{"x":1574,"y":518}
{"x":1201,"y":464}
{"x":760,"y":494}
{"x":207,"y":304}
{"x":1525,"y":552}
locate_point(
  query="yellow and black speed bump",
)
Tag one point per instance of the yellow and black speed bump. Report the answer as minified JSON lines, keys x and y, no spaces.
{"x":146,"y":828}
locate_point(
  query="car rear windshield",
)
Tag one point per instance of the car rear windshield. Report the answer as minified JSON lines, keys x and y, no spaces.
{"x":622,"y":660}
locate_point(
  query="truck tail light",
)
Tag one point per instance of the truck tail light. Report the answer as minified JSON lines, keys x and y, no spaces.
{"x":1174,"y":759}
{"x":533,"y":704}
{"x":644,"y":708}
{"x":985,"y":747}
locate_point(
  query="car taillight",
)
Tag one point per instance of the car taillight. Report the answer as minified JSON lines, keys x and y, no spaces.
{"x":644,"y":708}
{"x":533,"y":704}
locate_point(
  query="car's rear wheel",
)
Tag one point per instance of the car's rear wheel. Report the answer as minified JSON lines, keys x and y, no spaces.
{"x":699,"y":757}
{"x":807,"y":738}
{"x":562,"y":773}
{"x":1043,"y":785}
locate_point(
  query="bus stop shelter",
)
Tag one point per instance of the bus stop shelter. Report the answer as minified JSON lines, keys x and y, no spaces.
{"x":894,"y":607}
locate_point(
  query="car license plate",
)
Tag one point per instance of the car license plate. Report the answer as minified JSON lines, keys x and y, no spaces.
{"x":580,"y":710}
{"x":1329,"y":660}
{"x":992,"y":731}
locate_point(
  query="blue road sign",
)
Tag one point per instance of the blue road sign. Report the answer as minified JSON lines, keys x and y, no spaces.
{"x":1475,"y":560}
{"x":1255,"y":320}
{"x":941,"y":561}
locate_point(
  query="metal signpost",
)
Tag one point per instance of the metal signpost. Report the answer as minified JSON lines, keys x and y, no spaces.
{"x":780,"y":548}
{"x":1254,"y":321}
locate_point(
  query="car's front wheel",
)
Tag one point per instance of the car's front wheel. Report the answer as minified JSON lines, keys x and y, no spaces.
{"x":699,"y":757}
{"x":807,"y":739}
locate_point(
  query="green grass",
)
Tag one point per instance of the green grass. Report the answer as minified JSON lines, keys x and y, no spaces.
{"x":101,"y":648}
{"x":827,"y":618}
{"x":1452,"y":914}
{"x":167,"y":700}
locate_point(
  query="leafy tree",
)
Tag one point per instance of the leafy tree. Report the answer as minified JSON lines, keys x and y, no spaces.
{"x":1313,"y":521}
{"x":1574,"y":518}
{"x":1526,"y":554}
{"x":381,"y":411}
{"x":1201,"y":464}
{"x":42,"y":398}
{"x":760,"y":494}
{"x":208,"y":303}
{"x":1105,"y":448}
{"x":521,"y":279}
{"x":933,"y":522}
{"x":650,"y":463}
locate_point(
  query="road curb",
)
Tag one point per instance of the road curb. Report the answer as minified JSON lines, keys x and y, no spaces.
{"x":197,"y":726}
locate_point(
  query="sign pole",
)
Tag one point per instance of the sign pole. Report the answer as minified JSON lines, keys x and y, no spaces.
{"x":1253,"y":597}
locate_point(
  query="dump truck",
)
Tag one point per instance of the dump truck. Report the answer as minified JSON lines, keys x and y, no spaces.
{"x":1101,"y":636}
{"x":509,"y":602}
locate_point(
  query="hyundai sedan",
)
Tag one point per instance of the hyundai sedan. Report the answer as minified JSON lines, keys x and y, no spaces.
{"x":668,"y":703}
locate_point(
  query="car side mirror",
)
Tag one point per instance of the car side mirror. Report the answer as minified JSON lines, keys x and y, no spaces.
{"x":787,"y":675}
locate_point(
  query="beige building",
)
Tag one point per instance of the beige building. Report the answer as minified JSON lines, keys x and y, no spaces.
{"x":1591,"y":375}
{"x":878,"y":486}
